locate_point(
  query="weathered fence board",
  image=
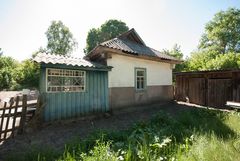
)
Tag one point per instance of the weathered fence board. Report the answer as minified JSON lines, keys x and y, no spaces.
{"x":196,"y":90}
{"x":13,"y":116}
{"x":209,"y":88}
{"x":219,"y":92}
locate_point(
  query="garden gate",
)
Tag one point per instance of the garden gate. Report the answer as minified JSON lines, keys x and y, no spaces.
{"x":208,"y":88}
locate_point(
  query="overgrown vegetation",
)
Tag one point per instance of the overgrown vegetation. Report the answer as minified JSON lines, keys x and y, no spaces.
{"x":16,"y":75}
{"x":219,"y":46}
{"x":197,"y":134}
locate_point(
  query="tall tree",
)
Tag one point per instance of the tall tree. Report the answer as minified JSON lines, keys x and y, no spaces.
{"x":223,"y":31}
{"x":7,"y":72}
{"x":219,"y":46}
{"x":60,"y":39}
{"x":1,"y":52}
{"x":176,"y":52}
{"x":110,"y":29}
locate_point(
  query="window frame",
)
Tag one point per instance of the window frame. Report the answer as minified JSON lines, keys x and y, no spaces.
{"x":144,"y":76}
{"x":46,"y":80}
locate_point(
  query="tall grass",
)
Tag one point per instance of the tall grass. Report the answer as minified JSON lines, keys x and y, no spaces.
{"x":192,"y":135}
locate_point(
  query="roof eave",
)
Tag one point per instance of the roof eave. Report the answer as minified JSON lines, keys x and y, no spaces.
{"x":101,"y":48}
{"x":64,"y":66}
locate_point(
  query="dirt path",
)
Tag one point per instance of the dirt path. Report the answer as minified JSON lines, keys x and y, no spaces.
{"x":57,"y":134}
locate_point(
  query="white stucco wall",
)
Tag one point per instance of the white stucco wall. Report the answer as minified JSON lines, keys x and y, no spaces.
{"x":122,"y":74}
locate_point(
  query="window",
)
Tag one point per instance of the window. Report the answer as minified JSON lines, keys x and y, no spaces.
{"x":63,"y":80}
{"x":140,"y":78}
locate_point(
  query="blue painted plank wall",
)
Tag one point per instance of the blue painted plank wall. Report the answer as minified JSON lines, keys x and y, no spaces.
{"x":62,"y":105}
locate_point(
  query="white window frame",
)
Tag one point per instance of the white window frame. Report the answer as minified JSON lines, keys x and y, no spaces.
{"x":144,"y":78}
{"x":46,"y":79}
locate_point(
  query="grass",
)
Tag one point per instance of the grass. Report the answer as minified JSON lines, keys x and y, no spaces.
{"x":197,"y":134}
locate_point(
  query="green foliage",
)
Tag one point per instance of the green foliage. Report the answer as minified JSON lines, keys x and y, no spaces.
{"x":110,"y":29}
{"x":224,"y":61}
{"x":209,"y":147}
{"x":7,"y":72}
{"x":1,"y":52}
{"x":177,"y":53}
{"x":223,"y":31}
{"x":197,"y":134}
{"x":60,"y":39}
{"x":211,"y":60}
{"x":219,"y":46}
{"x":28,"y":74}
{"x":15,"y":76}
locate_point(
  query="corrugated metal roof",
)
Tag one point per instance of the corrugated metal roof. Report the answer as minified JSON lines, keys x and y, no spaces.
{"x":135,"y":48}
{"x":66,"y":60}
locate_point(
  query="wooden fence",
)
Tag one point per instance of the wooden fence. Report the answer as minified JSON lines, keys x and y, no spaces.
{"x":208,"y":88}
{"x":14,"y":115}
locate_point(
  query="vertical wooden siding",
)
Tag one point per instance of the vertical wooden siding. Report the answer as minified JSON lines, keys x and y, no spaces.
{"x":209,"y":88}
{"x":62,"y":105}
{"x":196,"y":90}
{"x":219,"y":92}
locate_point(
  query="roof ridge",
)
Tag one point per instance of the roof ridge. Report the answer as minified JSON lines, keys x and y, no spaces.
{"x":62,"y":56}
{"x":134,"y":33}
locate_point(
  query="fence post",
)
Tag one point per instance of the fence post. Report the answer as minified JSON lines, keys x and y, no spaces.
{"x":23,"y":116}
{"x":15,"y":116}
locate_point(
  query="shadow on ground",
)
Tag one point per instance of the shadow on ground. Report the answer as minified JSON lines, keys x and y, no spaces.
{"x":172,"y":118}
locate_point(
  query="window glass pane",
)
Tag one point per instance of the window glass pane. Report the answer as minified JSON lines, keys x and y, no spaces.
{"x":53,"y":80}
{"x":138,"y":84}
{"x":59,"y":89}
{"x":54,"y":89}
{"x":140,"y":73}
{"x":142,"y":85}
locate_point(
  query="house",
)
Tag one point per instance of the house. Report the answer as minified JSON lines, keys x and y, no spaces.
{"x":140,"y":74}
{"x":117,"y":73}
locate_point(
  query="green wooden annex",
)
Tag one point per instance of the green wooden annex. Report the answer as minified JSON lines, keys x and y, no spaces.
{"x":72,"y":87}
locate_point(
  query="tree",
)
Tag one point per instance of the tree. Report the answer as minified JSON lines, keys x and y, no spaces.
{"x":60,"y":39}
{"x":224,"y":61}
{"x":223,"y":32}
{"x":28,"y":74}
{"x":199,"y":59}
{"x":219,"y":46}
{"x":7,"y":72}
{"x":110,"y":29}
{"x":177,"y":53}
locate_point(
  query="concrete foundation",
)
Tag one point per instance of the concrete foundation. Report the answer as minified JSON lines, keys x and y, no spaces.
{"x":128,"y":96}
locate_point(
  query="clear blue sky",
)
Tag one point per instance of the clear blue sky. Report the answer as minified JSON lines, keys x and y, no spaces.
{"x":160,"y":23}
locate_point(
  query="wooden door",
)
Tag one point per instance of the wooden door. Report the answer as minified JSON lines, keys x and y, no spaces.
{"x":197,"y":90}
{"x":219,"y":92}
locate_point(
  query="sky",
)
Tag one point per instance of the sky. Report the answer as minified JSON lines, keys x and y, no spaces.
{"x":160,"y":23}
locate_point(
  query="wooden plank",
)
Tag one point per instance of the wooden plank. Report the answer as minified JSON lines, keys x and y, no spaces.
{"x":8,"y":118}
{"x":8,"y":108}
{"x":219,"y":92}
{"x":15,"y":116}
{"x":23,"y":116}
{"x":2,"y":118}
{"x":196,"y":91}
